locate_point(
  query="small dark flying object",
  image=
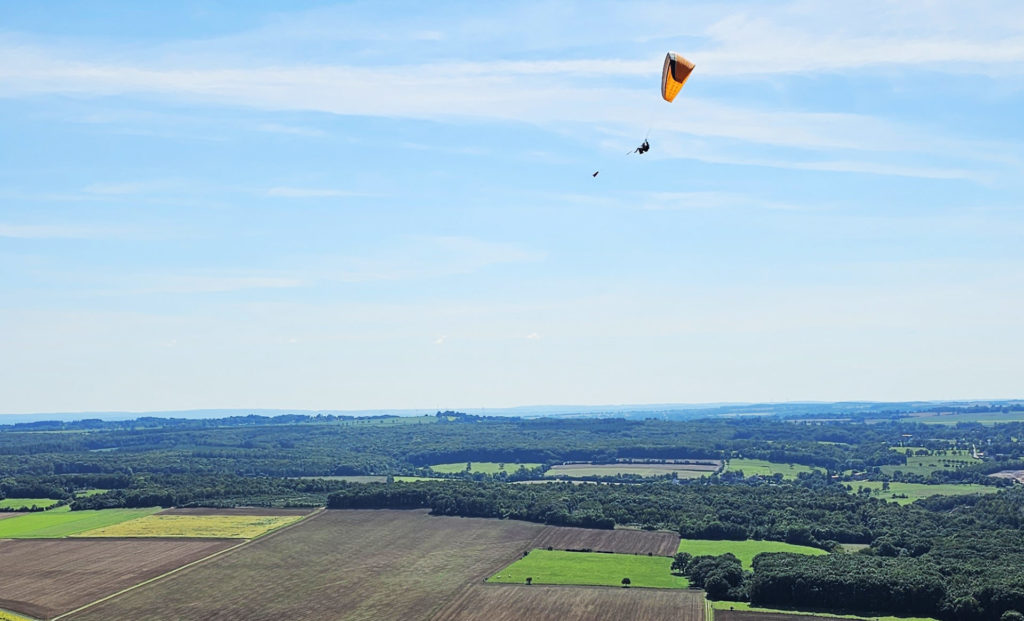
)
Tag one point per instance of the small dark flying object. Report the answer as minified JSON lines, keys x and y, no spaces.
{"x":595,"y":174}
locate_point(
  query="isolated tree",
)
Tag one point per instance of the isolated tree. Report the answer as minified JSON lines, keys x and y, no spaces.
{"x":625,"y":582}
{"x":529,"y":580}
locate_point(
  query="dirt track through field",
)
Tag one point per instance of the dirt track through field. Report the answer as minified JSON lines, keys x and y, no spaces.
{"x":514,"y":602}
{"x":350,"y":565}
{"x":619,"y":541}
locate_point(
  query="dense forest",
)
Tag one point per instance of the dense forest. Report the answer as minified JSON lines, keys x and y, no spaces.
{"x":950,"y":557}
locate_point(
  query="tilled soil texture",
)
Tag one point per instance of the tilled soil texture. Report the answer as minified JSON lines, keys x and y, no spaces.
{"x":46,"y":577}
{"x":515,"y":602}
{"x":620,"y":541}
{"x":339,"y":564}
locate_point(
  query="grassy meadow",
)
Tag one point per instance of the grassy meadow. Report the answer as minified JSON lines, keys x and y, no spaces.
{"x":486,"y":467}
{"x":55,"y":524}
{"x":743,"y":550}
{"x":591,"y":568}
{"x":760,"y":467}
{"x":906,"y":493}
{"x":217,"y":526}
{"x":927,"y":464}
{"x":26,"y":503}
{"x":610,"y":470}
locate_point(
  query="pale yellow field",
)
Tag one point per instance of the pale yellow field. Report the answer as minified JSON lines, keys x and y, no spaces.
{"x":220,"y":526}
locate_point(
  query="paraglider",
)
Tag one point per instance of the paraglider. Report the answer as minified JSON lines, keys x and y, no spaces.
{"x":674,"y":73}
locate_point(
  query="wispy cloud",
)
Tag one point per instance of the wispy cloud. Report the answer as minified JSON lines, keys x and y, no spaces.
{"x":293,"y":192}
{"x":59,"y":231}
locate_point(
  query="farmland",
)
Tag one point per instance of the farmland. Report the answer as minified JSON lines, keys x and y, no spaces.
{"x":51,"y":524}
{"x":621,"y":541}
{"x":935,"y":460}
{"x":27,"y":503}
{"x":741,"y":611}
{"x":682,"y":471}
{"x":43,"y":578}
{"x":743,"y":550}
{"x":591,"y":568}
{"x":906,"y":493}
{"x":759,"y":467}
{"x":486,"y":467}
{"x":505,"y":602}
{"x":176,"y":525}
{"x":353,"y":565}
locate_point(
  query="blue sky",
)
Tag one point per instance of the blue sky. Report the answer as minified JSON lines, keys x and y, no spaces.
{"x":390,"y":204}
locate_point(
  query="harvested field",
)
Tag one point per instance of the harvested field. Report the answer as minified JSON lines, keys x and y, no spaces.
{"x":621,"y":541}
{"x":338,"y":564}
{"x":485,"y":602}
{"x":207,"y":526}
{"x":1017,"y":475}
{"x":46,"y":577}
{"x":238,"y":511}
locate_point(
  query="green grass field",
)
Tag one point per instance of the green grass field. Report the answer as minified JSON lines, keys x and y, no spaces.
{"x":56,"y":524}
{"x":927,"y":464}
{"x":591,"y":568}
{"x":486,"y":467}
{"x":752,"y":467}
{"x":85,"y":493}
{"x":610,"y":470}
{"x":745,"y":606}
{"x":26,"y":503}
{"x":743,"y":550}
{"x":985,"y":418}
{"x":917,"y":491}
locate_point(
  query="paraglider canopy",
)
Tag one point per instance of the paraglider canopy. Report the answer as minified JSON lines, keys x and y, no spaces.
{"x":674,"y":74}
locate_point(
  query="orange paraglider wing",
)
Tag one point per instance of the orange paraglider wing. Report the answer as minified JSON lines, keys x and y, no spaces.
{"x":674,"y":74}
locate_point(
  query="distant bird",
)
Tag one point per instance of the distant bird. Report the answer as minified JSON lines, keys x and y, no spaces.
{"x":595,"y":174}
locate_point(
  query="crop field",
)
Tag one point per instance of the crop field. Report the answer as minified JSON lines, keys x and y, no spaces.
{"x":742,"y":611}
{"x":27,"y":503}
{"x":682,"y":471}
{"x":620,"y":541}
{"x":926,"y":464}
{"x":177,"y":525}
{"x":504,"y":602}
{"x":591,"y":568}
{"x":50,"y":524}
{"x":760,"y":467}
{"x":10,"y":616}
{"x":906,"y":493}
{"x":338,"y":564}
{"x":743,"y":550}
{"x":43,"y":578}
{"x":238,"y":511}
{"x":486,"y":467}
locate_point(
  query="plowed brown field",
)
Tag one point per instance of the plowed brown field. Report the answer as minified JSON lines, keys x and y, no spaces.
{"x":340,"y":565}
{"x":514,"y":602}
{"x":621,"y":541}
{"x":46,"y":577}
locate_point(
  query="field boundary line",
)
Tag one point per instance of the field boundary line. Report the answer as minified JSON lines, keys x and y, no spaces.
{"x":187,"y":566}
